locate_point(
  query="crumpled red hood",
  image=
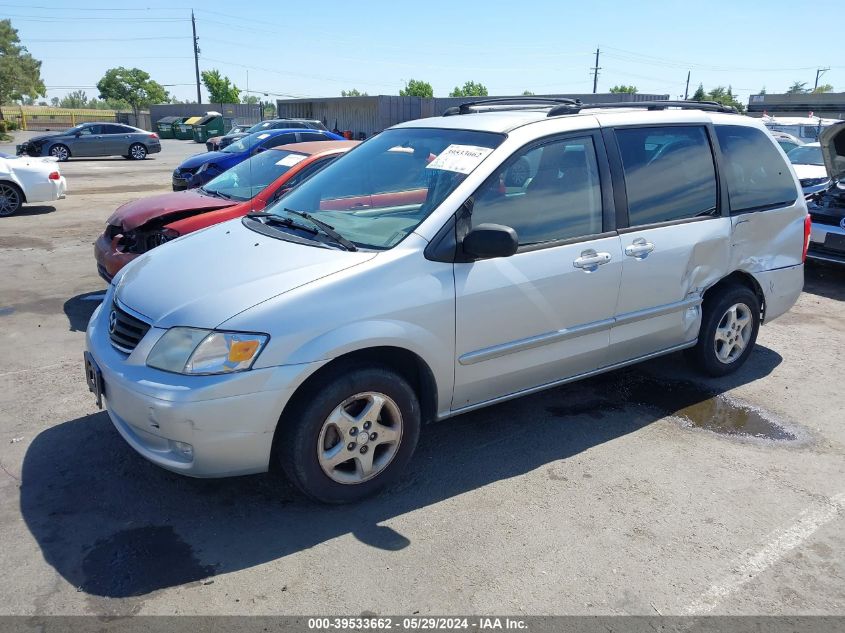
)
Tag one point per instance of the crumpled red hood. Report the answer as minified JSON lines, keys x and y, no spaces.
{"x":133,"y":214}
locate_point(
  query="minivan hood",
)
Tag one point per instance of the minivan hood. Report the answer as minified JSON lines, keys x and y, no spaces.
{"x":207,"y":277}
{"x":133,"y":214}
{"x":832,"y":139}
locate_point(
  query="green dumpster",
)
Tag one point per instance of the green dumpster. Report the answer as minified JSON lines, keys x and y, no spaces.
{"x":210,"y":125}
{"x":185,"y":128}
{"x":165,"y":126}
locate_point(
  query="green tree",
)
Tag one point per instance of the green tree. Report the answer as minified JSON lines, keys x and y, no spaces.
{"x":624,"y":89}
{"x":527,"y":93}
{"x":54,"y":102}
{"x":725,"y":96}
{"x":823,"y":88}
{"x":132,"y":86}
{"x":762,"y":91}
{"x":220,"y":89}
{"x":798,"y":88}
{"x":699,"y":94}
{"x":470,"y":89}
{"x":269,"y":110}
{"x":20,"y":72}
{"x":415,"y":88}
{"x":76,"y":99}
{"x":250,"y":100}
{"x":353,"y":93}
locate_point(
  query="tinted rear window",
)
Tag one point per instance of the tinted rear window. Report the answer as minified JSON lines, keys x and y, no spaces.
{"x":757,"y":175}
{"x":669,"y":173}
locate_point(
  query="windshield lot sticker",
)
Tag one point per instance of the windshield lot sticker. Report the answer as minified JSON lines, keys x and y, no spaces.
{"x":460,"y":158}
{"x":290,"y":160}
{"x":265,"y":135}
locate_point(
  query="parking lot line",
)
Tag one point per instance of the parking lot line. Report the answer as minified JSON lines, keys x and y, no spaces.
{"x":778,"y":544}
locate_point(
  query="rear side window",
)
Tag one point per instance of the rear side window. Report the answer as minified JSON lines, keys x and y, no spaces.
{"x":669,"y":173}
{"x":757,"y":175}
{"x":312,"y":136}
{"x":281,"y":139}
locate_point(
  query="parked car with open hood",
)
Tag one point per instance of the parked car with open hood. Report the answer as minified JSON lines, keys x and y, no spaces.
{"x":827,"y":207}
{"x":139,"y":226}
{"x":199,"y":169}
{"x":26,"y":180}
{"x":94,"y":139}
{"x":390,"y":289}
{"x":808,"y":163}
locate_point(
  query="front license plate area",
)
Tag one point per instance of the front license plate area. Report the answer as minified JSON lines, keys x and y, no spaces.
{"x":94,"y":378}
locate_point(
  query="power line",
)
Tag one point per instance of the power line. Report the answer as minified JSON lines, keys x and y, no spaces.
{"x":104,"y":39}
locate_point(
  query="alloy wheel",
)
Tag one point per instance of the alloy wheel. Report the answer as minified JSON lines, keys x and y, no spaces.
{"x":60,"y":152}
{"x":10,"y":200}
{"x":138,"y":152}
{"x":733,"y":333}
{"x":360,"y":438}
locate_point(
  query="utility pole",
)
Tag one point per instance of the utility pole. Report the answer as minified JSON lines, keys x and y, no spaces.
{"x":819,"y":73}
{"x":596,"y":70}
{"x":196,"y":55}
{"x":686,"y":90}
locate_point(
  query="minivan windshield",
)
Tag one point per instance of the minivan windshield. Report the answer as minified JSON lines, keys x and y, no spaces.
{"x":382,"y":190}
{"x":246,"y":180}
{"x":806,"y":155}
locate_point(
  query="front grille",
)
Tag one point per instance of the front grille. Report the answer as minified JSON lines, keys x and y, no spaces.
{"x":125,"y":331}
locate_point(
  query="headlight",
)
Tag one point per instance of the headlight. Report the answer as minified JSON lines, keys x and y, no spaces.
{"x":187,"y":350}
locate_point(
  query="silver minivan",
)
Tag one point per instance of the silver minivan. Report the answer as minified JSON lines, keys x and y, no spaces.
{"x":444,"y":265}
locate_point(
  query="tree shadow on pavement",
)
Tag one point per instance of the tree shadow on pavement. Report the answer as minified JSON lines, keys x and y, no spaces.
{"x":114,"y":525}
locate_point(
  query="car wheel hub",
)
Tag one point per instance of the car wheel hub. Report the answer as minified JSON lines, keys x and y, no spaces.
{"x":733,"y":333}
{"x":360,"y":438}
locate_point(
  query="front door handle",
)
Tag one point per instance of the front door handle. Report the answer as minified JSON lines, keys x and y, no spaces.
{"x":639,"y":249}
{"x":590,"y":260}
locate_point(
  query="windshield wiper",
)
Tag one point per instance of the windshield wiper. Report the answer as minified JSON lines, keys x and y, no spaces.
{"x":271,"y":218}
{"x":214,"y":194}
{"x":327,"y":229}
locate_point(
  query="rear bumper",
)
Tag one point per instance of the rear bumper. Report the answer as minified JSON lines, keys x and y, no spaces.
{"x":824,"y":248}
{"x":154,"y":148}
{"x":109,"y":259}
{"x":781,"y":289}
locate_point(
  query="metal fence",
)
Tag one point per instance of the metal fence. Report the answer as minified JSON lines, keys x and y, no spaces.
{"x":365,"y":116}
{"x":46,"y":119}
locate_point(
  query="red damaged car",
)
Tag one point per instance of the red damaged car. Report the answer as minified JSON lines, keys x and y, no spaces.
{"x":139,"y":226}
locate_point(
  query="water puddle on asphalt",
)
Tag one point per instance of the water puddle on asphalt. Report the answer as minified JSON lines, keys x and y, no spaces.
{"x":695,"y":406}
{"x":136,"y":561}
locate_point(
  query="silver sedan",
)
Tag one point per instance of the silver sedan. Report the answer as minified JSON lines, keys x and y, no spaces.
{"x":94,"y":139}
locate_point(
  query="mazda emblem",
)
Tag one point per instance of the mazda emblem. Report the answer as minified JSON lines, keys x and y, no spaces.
{"x":112,"y":321}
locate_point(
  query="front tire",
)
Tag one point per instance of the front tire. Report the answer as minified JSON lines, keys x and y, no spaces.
{"x":11,"y":199}
{"x":350,"y":434}
{"x":61,"y":152}
{"x":729,"y":327}
{"x":137,"y":151}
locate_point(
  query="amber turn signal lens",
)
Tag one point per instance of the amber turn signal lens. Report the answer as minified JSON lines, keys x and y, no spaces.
{"x":241,"y":351}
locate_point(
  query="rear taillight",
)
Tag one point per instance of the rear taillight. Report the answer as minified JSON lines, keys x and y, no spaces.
{"x":153,"y":135}
{"x":54,"y":175}
{"x":808,"y":227}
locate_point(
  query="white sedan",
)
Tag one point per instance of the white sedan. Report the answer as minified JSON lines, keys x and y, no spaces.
{"x":25,"y":180}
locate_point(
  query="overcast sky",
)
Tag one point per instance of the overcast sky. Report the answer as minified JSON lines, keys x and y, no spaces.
{"x":546,"y":46}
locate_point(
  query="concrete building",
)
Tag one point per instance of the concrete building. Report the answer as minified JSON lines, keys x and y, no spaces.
{"x":364,"y":116}
{"x":829,"y":105}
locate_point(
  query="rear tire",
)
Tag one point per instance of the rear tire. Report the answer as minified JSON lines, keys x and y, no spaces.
{"x":11,"y":199}
{"x":137,"y":151}
{"x":729,"y":326}
{"x":349,"y":434}
{"x":61,"y":152}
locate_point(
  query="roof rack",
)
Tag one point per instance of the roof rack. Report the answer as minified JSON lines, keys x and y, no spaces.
{"x":465,"y":108}
{"x":709,"y":106}
{"x":574,"y":106}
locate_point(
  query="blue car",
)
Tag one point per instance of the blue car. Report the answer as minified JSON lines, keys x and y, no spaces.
{"x":199,"y":169}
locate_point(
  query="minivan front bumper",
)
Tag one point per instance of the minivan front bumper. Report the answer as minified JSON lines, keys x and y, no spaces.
{"x":202,"y":426}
